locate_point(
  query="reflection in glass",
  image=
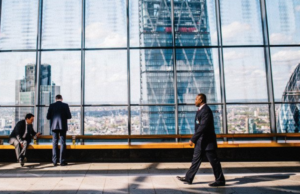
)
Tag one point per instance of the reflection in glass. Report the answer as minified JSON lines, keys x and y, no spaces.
{"x":151,"y":73}
{"x":186,"y":119}
{"x":195,"y":22}
{"x":245,"y":75}
{"x":106,"y":77}
{"x":241,"y":22}
{"x":283,"y":21}
{"x":106,"y":120}
{"x":18,"y":24}
{"x":60,"y":73}
{"x":150,"y":23}
{"x":61,"y":24}
{"x":105,"y":23}
{"x":153,"y":120}
{"x":288,"y":118}
{"x":285,"y":69}
{"x":197,"y":72}
{"x":73,"y":123}
{"x":17,"y":78}
{"x":248,"y":119}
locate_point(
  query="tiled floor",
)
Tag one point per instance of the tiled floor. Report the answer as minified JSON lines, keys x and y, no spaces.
{"x":144,"y":178}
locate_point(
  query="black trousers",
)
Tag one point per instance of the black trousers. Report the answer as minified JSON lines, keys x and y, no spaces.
{"x":196,"y":162}
{"x":62,"y":135}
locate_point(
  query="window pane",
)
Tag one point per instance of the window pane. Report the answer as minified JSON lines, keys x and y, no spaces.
{"x":195,"y":22}
{"x":241,"y":22}
{"x":283,"y":21}
{"x":245,"y":75}
{"x":197,"y":72}
{"x":106,"y":23}
{"x":288,"y":118}
{"x":248,"y":119}
{"x":18,"y":24}
{"x":286,"y":70}
{"x":17,"y":78}
{"x":61,"y":24}
{"x":153,"y":120}
{"x":151,"y":73}
{"x":73,"y":123}
{"x":106,"y":120}
{"x":150,"y":23}
{"x":186,"y":118}
{"x":60,"y":73}
{"x":106,"y":77}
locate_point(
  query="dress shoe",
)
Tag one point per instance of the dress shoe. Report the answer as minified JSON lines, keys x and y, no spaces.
{"x":21,"y":162}
{"x":54,"y":164}
{"x":217,"y":184}
{"x":183,"y":180}
{"x":64,"y":164}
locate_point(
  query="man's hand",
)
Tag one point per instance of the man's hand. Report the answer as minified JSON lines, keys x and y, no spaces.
{"x":38,"y":134}
{"x":191,"y":143}
{"x":21,"y":143}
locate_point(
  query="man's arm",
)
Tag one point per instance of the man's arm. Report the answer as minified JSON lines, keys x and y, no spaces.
{"x":49,"y":113}
{"x":202,"y":127}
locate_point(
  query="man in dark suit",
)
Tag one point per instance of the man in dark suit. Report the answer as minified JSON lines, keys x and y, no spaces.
{"x":58,"y":114}
{"x":21,"y":137}
{"x":205,"y":142}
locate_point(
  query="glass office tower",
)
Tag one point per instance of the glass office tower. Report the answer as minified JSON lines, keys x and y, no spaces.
{"x":195,"y":71}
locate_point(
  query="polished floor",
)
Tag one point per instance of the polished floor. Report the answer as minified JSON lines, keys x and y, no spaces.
{"x":147,"y":178}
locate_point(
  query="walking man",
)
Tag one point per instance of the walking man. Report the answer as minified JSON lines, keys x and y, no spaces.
{"x":205,"y":142}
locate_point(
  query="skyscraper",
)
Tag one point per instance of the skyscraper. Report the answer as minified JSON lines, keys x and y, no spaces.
{"x":289,"y":113}
{"x":195,"y":72}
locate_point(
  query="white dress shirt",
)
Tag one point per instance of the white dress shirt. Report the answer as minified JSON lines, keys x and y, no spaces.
{"x":201,"y":107}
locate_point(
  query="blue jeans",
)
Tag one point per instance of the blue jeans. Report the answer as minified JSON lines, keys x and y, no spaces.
{"x":62,"y":135}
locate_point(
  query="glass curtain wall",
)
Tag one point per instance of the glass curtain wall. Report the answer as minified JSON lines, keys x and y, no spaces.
{"x":135,"y":66}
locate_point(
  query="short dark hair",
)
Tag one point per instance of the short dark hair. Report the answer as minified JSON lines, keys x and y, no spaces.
{"x":58,"y":97}
{"x":28,"y":116}
{"x":203,"y":97}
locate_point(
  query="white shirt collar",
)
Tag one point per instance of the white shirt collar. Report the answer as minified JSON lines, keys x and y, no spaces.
{"x":201,"y":107}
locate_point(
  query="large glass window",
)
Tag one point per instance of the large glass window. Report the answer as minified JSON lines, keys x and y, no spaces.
{"x":18,"y":24}
{"x":245,"y":75}
{"x":17,"y":76}
{"x":248,"y":118}
{"x":106,"y":77}
{"x":197,"y":72}
{"x":286,"y":73}
{"x":283,"y":20}
{"x":61,"y":24}
{"x":241,"y":22}
{"x":288,"y":118}
{"x":195,"y":23}
{"x":152,"y":74}
{"x":105,"y":23}
{"x":150,"y":23}
{"x":60,"y":73}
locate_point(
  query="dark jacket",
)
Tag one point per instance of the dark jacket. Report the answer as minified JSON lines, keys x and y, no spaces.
{"x":205,"y":136}
{"x":58,"y":114}
{"x":19,"y":131}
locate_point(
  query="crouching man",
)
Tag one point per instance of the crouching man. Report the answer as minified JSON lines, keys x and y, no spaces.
{"x":21,"y":137}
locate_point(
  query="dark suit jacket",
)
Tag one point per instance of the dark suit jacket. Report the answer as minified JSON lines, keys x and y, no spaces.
{"x":19,"y":131}
{"x":205,"y":135}
{"x":58,"y":114}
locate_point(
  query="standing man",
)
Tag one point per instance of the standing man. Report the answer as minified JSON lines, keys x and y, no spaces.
{"x":58,"y":114}
{"x":21,"y":137}
{"x":205,"y":142}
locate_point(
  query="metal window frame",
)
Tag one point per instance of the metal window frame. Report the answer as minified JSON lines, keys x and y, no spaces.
{"x":266,"y":45}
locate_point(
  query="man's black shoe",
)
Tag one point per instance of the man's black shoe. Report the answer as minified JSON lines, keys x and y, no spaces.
{"x":183,"y":180}
{"x":21,"y":162}
{"x":64,"y":164}
{"x":217,"y":184}
{"x":54,"y":164}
